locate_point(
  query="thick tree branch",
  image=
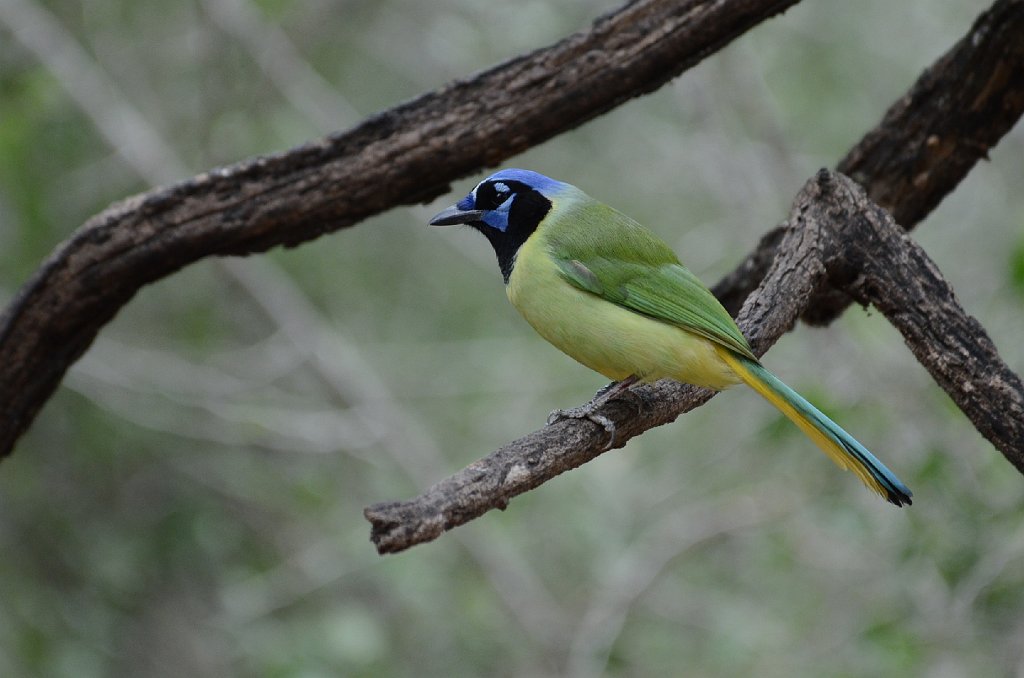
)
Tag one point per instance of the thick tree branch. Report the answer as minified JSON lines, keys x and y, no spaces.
{"x":834,"y":231}
{"x":907,"y":287}
{"x":404,"y":155}
{"x":926,"y":143}
{"x":924,"y":146}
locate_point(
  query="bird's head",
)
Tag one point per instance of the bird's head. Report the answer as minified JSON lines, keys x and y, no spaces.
{"x":506,"y":207}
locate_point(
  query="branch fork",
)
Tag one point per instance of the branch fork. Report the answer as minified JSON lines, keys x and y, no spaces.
{"x":834,"y":236}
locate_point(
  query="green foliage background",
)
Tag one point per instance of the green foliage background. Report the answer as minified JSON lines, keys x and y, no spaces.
{"x":190,"y":501}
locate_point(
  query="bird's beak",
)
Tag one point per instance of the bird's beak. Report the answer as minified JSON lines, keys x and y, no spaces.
{"x":453,"y":215}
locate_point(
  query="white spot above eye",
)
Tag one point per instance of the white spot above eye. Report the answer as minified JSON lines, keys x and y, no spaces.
{"x":500,"y":187}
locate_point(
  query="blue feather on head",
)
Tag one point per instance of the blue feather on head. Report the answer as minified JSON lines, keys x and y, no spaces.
{"x":535,"y":180}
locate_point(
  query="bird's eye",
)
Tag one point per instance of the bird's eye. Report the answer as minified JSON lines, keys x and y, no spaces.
{"x":492,"y":195}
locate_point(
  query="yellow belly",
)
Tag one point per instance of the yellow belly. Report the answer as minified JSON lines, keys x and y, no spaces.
{"x":606,"y":337}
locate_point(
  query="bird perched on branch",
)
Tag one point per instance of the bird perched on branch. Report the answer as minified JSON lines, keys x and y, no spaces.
{"x":610,"y":294}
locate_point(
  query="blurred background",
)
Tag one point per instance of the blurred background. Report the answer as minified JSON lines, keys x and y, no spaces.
{"x":190,"y":502}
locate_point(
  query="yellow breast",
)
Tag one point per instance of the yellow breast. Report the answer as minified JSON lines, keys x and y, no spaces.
{"x":606,"y":337}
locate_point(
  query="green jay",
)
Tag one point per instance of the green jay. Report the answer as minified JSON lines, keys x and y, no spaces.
{"x":608,"y":293}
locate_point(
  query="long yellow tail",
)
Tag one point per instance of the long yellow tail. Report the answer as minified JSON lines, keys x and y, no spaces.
{"x":840,"y":446}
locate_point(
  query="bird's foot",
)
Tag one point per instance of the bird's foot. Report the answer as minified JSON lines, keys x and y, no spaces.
{"x":589,"y":411}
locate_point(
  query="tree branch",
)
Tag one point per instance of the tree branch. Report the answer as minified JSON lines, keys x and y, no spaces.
{"x":404,"y":155}
{"x":927,"y":142}
{"x":907,"y":287}
{"x":834,"y":231}
{"x":923,"y":147}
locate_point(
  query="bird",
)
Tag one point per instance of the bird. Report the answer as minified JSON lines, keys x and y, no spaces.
{"x":610,"y":294}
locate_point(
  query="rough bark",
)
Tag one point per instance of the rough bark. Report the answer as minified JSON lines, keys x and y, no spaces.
{"x":927,"y":142}
{"x":404,"y":155}
{"x":835,"y":234}
{"x":907,"y":287}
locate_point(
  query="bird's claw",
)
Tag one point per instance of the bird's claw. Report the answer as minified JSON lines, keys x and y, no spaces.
{"x":586,"y":412}
{"x":612,"y":391}
{"x":634,"y":399}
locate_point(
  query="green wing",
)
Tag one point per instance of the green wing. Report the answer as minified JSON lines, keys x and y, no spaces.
{"x":604,"y":252}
